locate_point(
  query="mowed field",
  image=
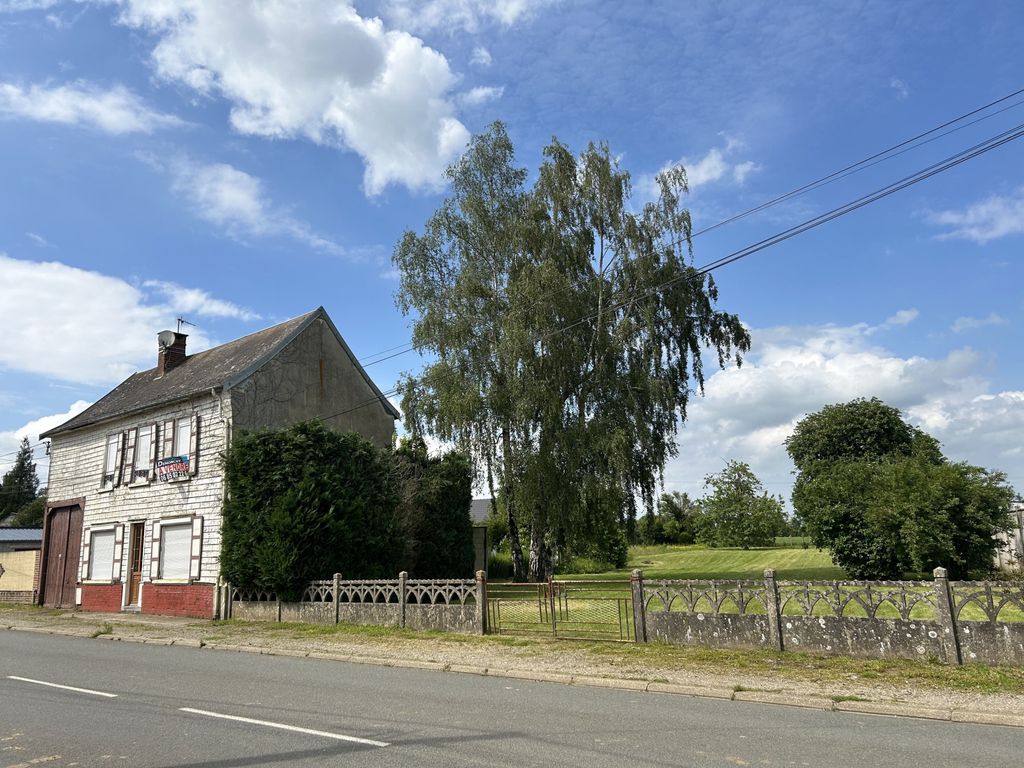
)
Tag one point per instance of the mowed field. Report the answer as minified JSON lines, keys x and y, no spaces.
{"x":697,"y":562}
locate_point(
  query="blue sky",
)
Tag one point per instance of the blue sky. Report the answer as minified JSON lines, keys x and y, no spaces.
{"x":239,"y":163}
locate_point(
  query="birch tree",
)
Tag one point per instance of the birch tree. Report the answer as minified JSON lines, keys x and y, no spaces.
{"x":564,"y":333}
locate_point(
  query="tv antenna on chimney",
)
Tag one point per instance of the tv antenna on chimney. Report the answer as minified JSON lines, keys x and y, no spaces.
{"x":182,"y":321}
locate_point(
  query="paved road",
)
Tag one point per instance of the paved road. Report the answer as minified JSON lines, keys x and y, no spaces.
{"x":171,"y":704}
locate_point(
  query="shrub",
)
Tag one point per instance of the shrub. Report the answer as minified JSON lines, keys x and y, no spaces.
{"x":435,"y":498}
{"x":499,"y":565}
{"x":305,"y":503}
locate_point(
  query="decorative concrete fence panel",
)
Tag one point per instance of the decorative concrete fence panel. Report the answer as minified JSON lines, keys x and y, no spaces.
{"x":453,"y":605}
{"x":955,"y":622}
{"x":999,"y":639}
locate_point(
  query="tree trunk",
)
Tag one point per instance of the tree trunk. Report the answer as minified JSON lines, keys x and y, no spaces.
{"x":541,"y":567}
{"x":508,"y":492}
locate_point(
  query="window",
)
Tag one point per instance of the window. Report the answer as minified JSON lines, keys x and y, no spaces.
{"x":101,"y":555}
{"x":176,"y":436}
{"x":143,"y":454}
{"x":175,"y":550}
{"x":110,"y":460}
{"x":182,"y":436}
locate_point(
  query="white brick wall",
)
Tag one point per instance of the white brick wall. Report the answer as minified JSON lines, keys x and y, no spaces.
{"x":76,"y":468}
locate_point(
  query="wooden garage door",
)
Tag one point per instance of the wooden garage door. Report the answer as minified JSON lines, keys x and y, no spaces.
{"x":63,"y":546}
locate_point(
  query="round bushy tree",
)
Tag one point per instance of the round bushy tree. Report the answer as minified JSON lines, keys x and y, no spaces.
{"x":879,"y":495}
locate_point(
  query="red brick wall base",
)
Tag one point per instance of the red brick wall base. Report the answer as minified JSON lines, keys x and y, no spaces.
{"x":195,"y":600}
{"x":101,"y":597}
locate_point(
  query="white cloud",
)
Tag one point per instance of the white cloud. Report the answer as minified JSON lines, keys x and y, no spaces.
{"x":315,"y":70}
{"x":747,"y":413}
{"x":38,"y":240}
{"x":237,"y":202}
{"x":903,"y":317}
{"x":468,"y":15}
{"x":901,"y":88}
{"x":16,"y":6}
{"x":198,"y":301}
{"x":962,"y":324}
{"x":716,"y":165}
{"x":10,"y":441}
{"x":481,"y":57}
{"x":116,"y":110}
{"x":481,"y":95}
{"x":97,"y":329}
{"x":994,"y":217}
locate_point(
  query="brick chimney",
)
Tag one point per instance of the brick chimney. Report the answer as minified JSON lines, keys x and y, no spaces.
{"x":171,"y":351}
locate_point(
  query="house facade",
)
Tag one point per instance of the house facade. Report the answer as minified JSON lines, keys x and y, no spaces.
{"x":136,"y":485}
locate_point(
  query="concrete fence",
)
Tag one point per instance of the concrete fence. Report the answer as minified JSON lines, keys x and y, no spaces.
{"x":954,"y":622}
{"x":452,"y":605}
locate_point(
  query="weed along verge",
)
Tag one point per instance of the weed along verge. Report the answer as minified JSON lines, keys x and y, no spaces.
{"x":839,"y":683}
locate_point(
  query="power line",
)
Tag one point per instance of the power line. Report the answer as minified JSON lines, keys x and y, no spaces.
{"x":907,"y":181}
{"x":895,"y":150}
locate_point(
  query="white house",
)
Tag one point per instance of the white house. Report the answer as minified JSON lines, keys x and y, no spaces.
{"x":136,"y":486}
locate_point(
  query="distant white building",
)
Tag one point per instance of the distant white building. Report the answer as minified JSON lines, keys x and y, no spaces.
{"x":1013,"y":555}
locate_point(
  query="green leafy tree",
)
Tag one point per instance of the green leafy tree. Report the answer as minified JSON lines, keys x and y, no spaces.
{"x":436,"y":494}
{"x":879,"y":494}
{"x":20,"y":484}
{"x":671,"y":523}
{"x":738,"y":512}
{"x":565,"y":332}
{"x":30,"y":515}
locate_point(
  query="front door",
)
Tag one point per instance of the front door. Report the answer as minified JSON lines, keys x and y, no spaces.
{"x":63,"y":549}
{"x":135,"y":562}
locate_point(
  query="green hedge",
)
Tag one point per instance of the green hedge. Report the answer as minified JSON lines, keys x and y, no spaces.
{"x":305,"y":503}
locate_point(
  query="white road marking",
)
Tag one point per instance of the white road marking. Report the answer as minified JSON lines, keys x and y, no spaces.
{"x":63,"y":687}
{"x":283,"y":727}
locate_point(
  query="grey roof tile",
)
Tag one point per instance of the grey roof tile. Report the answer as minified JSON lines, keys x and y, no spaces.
{"x":222,"y":366}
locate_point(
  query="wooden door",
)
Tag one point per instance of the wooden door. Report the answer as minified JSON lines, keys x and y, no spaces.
{"x":63,"y":548}
{"x":135,"y":562}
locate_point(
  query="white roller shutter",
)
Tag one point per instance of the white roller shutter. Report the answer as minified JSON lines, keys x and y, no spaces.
{"x":101,"y":562}
{"x":175,"y":550}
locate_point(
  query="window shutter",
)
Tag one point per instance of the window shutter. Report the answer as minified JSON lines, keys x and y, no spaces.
{"x":118,"y":551}
{"x":119,"y":459}
{"x":86,"y":538}
{"x":153,"y":450}
{"x":129,"y":455}
{"x":193,"y":447}
{"x":154,"y":553}
{"x":168,"y":439}
{"x":197,"y":548}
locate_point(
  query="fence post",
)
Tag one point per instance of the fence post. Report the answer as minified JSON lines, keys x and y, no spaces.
{"x":774,"y":609}
{"x":946,"y":616}
{"x":481,"y":601}
{"x":402,"y":578}
{"x":636,"y":583}
{"x":336,"y":592}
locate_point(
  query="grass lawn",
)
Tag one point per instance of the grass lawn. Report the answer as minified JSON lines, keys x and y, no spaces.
{"x":698,"y":562}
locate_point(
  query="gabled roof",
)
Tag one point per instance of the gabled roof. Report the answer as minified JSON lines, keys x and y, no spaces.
{"x":218,"y":368}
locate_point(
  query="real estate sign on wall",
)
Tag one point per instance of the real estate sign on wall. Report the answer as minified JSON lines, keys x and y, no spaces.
{"x":172,"y":468}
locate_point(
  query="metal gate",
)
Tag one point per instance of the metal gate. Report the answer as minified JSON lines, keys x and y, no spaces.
{"x":582,"y":610}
